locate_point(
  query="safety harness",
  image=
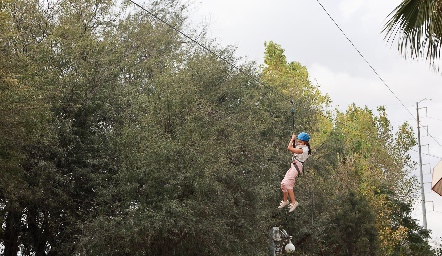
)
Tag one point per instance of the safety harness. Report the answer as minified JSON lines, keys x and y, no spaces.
{"x":294,"y":160}
{"x":296,"y":166}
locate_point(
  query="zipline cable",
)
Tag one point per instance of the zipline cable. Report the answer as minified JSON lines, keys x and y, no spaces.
{"x":184,"y":34}
{"x":372,"y":68}
{"x":236,"y":67}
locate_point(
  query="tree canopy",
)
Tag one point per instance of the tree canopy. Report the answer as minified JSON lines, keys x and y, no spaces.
{"x":121,"y":137}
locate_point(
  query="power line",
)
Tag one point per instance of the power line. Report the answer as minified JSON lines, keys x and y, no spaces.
{"x":440,"y":157}
{"x":429,"y":117}
{"x":426,"y":129}
{"x":366,"y":61}
{"x":372,"y":68}
{"x":428,"y":154}
{"x":234,"y":66}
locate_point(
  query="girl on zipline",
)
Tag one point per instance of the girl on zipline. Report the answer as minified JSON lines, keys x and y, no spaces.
{"x":300,"y":153}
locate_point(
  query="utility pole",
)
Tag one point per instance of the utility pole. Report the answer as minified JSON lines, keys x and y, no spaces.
{"x":424,"y":210}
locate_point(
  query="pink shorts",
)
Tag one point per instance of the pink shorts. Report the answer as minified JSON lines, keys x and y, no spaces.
{"x":289,"y":179}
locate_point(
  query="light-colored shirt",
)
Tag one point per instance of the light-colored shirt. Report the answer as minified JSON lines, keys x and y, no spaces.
{"x":301,"y":157}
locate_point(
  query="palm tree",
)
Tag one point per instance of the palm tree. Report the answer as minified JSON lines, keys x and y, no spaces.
{"x":418,"y":25}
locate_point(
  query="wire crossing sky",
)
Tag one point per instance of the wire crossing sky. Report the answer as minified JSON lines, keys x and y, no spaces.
{"x":308,"y":37}
{"x":372,"y":68}
{"x":331,"y":18}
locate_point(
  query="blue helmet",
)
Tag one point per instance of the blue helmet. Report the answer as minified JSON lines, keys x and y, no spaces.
{"x":303,"y":136}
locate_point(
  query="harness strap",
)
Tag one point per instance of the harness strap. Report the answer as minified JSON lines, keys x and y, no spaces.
{"x":296,"y":159}
{"x":296,"y":166}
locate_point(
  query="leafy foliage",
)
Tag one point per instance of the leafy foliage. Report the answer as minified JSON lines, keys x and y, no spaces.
{"x":120,"y":138}
{"x":417,"y":24}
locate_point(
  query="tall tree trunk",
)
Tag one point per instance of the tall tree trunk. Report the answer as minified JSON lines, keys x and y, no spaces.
{"x":11,"y":233}
{"x":37,"y":229}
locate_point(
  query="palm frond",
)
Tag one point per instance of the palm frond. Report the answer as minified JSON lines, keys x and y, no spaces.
{"x":417,"y":24}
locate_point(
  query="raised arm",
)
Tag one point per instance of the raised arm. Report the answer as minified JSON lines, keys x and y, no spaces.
{"x":291,"y":148}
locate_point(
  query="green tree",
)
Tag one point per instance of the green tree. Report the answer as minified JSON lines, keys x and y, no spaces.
{"x":204,"y":132}
{"x":61,"y":66}
{"x":351,"y":165}
{"x":189,"y":189}
{"x":354,"y":227}
{"x":120,"y":139}
{"x":416,"y":238}
{"x":24,"y":128}
{"x":291,"y":79}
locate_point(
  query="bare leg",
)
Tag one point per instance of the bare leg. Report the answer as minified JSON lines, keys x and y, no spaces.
{"x":284,"y":202}
{"x":292,"y":195}
{"x":285,"y":195}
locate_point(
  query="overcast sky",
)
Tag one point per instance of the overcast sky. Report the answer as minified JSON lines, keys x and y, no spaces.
{"x":310,"y":37}
{"x":381,"y":76}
